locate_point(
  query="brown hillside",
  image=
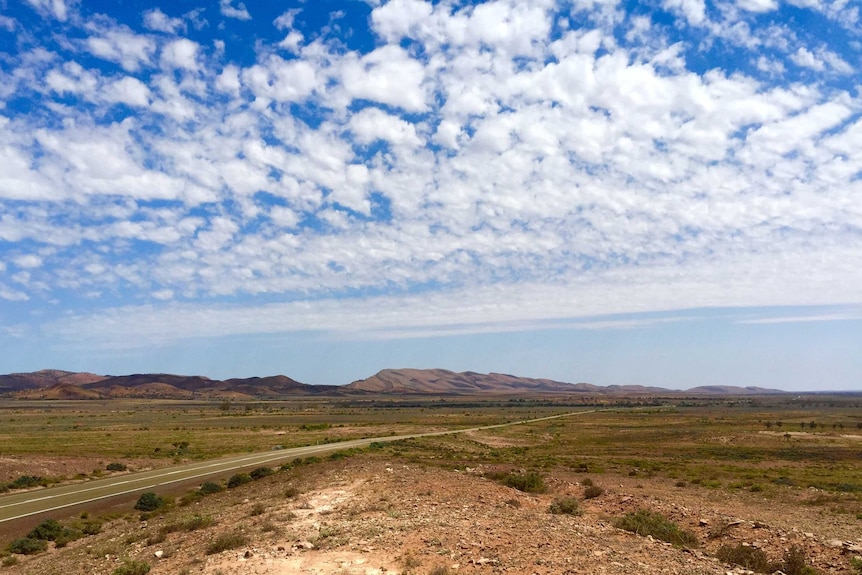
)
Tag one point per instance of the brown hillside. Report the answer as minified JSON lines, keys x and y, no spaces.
{"x":441,"y":381}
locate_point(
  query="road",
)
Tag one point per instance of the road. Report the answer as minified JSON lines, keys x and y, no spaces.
{"x":19,"y":505}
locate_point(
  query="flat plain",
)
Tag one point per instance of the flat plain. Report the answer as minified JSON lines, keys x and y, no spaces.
{"x":759,"y":483}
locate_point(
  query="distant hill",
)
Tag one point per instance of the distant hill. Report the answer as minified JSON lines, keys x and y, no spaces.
{"x":441,"y":381}
{"x":45,"y":378}
{"x":58,"y":384}
{"x":733,"y":390}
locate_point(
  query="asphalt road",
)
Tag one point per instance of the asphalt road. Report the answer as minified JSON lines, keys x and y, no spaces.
{"x":24,"y":504}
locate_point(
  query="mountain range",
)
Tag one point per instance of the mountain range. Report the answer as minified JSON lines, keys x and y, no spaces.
{"x":58,"y":384}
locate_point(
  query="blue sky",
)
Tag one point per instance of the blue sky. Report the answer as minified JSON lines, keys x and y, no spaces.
{"x":662,"y":192}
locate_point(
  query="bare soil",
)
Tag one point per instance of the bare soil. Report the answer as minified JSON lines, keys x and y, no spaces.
{"x":369,"y":515}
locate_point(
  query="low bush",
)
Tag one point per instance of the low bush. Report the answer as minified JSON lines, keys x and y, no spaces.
{"x":28,"y":546}
{"x":745,"y":556}
{"x":115,"y":466}
{"x":47,"y":530}
{"x":793,"y":563}
{"x":261,"y":472}
{"x":565,"y":506}
{"x":593,"y":491}
{"x":210,"y":487}
{"x":530,"y":482}
{"x":67,"y":536}
{"x":238,"y":479}
{"x":130,"y":567}
{"x":197,"y":522}
{"x":25,"y":481}
{"x":226,"y":541}
{"x":149,"y":502}
{"x":645,"y":522}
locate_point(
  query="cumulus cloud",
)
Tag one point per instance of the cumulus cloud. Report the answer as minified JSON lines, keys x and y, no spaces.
{"x":56,"y":8}
{"x":158,"y":21}
{"x":180,"y":53}
{"x":239,"y":12}
{"x":121,"y":45}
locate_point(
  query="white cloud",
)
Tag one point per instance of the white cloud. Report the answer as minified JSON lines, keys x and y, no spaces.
{"x":372,"y":124}
{"x":806,"y":59}
{"x":239,"y":12}
{"x":122,"y":46}
{"x":757,"y":5}
{"x":387,"y":75}
{"x":158,"y":21}
{"x":694,"y":10}
{"x":56,"y":8}
{"x":180,"y":53}
{"x":129,"y":91}
{"x":28,"y":261}
{"x":7,"y":23}
{"x":285,"y":21}
{"x":12,"y":295}
{"x":291,"y":42}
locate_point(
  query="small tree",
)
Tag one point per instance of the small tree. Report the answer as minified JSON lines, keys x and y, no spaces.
{"x":149,"y":502}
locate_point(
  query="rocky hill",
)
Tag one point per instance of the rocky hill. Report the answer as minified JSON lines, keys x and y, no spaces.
{"x":441,"y":381}
{"x":57,"y":384}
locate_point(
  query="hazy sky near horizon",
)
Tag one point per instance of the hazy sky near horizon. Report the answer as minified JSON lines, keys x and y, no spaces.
{"x":658,"y":192}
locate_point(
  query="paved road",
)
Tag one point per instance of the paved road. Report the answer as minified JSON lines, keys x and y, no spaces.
{"x":19,"y":505}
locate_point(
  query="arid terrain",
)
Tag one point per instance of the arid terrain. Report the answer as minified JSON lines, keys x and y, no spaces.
{"x":766,"y":477}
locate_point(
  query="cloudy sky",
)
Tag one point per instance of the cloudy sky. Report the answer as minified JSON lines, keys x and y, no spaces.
{"x":665,"y":192}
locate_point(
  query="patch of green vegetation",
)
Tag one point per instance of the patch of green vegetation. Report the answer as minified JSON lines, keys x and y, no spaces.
{"x":529,"y":482}
{"x":646,"y":522}
{"x":27,"y":546}
{"x":225,"y":542}
{"x":565,"y":506}
{"x":149,"y":502}
{"x":130,"y":567}
{"x":238,"y":479}
{"x":261,"y":472}
{"x":746,"y":556}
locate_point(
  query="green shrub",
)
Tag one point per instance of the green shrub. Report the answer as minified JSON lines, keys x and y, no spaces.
{"x":149,"y":502}
{"x":565,"y":506}
{"x":793,"y":563}
{"x":645,"y":522}
{"x":26,"y":481}
{"x":67,"y":536}
{"x":226,"y":541}
{"x":10,"y":561}
{"x":28,"y":546}
{"x":745,"y":556}
{"x":115,"y":466}
{"x":197,"y":522}
{"x":261,"y":472}
{"x":586,"y":482}
{"x":530,"y":482}
{"x":130,"y":567}
{"x":238,"y":479}
{"x":48,"y":530}
{"x":593,"y":491}
{"x":209,"y":488}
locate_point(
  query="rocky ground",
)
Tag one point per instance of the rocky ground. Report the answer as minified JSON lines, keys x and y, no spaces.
{"x":373,"y":515}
